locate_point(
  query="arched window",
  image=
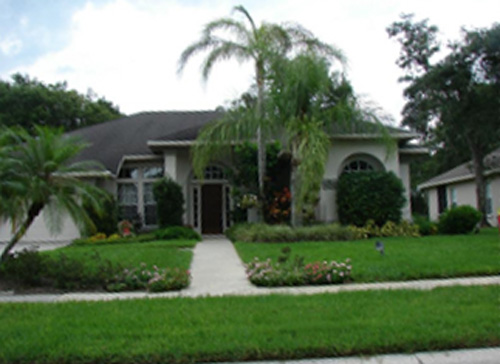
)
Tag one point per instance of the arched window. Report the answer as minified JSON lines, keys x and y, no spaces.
{"x":213,"y":172}
{"x":361,"y":163}
{"x":358,"y":165}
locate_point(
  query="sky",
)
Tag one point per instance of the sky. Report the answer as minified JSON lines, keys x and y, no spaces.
{"x":127,"y":51}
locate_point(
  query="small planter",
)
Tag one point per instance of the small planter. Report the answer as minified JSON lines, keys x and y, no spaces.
{"x":252,"y":214}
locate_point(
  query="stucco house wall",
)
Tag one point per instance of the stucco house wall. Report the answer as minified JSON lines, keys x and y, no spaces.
{"x":343,"y":151}
{"x":460,"y":187}
{"x":164,"y":139}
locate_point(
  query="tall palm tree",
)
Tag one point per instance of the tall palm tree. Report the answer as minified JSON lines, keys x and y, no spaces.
{"x":309,"y":104}
{"x":244,"y":41}
{"x":45,"y":178}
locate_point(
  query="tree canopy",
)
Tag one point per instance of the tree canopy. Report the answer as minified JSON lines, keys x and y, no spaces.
{"x":26,"y":102}
{"x":227,"y":38}
{"x":454,"y":101}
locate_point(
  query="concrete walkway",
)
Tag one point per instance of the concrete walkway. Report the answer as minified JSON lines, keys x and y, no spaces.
{"x":469,"y":356}
{"x":216,"y":270}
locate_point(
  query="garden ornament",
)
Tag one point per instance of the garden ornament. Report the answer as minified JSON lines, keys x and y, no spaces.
{"x":380,"y":247}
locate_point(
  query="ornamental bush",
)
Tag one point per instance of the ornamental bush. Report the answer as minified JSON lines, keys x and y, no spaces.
{"x":459,"y":220}
{"x":177,"y":232}
{"x":169,"y":202}
{"x":378,"y":196}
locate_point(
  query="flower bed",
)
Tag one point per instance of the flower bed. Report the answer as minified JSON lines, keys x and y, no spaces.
{"x":294,"y":272}
{"x":155,"y":280}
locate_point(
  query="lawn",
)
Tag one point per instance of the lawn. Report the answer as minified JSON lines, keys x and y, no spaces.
{"x":167,"y":253}
{"x":114,"y":266}
{"x":186,"y":330}
{"x":404,"y":259}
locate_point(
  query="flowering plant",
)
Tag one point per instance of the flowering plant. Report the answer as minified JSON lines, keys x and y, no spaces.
{"x":125,"y":228}
{"x":295,"y":273}
{"x":153,"y":280}
{"x":248,"y":201}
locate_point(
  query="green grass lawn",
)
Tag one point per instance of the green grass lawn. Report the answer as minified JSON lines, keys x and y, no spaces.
{"x":168,"y":253}
{"x":186,"y":330}
{"x":404,"y":259}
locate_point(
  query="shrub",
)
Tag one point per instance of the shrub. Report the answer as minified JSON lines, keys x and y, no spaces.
{"x":26,"y":267}
{"x":169,"y":202}
{"x":325,"y":232}
{"x":106,"y":221}
{"x":369,"y":195}
{"x":177,"y":232}
{"x":459,"y":220}
{"x":425,"y":226}
{"x":32,"y":269}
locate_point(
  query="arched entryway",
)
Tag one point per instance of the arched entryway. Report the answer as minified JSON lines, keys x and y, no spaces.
{"x":211,"y":201}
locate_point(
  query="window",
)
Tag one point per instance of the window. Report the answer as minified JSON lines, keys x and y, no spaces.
{"x":214,"y":172}
{"x":135,"y":192}
{"x":357,"y":165}
{"x":153,"y":172}
{"x":453,"y":196}
{"x":489,"y":199}
{"x":149,"y":204}
{"x":127,"y":198}
{"x":129,"y":173}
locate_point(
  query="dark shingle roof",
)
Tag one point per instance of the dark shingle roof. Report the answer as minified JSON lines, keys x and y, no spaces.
{"x":111,"y":140}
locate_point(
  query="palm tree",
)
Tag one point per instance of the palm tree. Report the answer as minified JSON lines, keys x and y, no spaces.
{"x":309,"y":104}
{"x":44,"y":178}
{"x":260,"y":45}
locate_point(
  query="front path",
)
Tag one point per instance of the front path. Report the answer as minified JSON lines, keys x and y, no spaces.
{"x":217,"y":270}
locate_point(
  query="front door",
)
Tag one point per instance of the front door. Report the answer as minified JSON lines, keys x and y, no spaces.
{"x":211,"y":209}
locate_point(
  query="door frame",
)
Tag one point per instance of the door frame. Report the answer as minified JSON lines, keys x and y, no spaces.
{"x":195,"y":200}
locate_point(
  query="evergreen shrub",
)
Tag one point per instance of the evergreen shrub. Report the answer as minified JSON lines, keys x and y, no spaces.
{"x":377,"y":196}
{"x":169,"y":202}
{"x":459,"y":220}
{"x":177,"y":232}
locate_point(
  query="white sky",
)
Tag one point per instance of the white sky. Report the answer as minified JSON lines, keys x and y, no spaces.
{"x":127,"y":50}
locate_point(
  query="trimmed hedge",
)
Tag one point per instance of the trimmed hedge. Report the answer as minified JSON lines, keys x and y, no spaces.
{"x":169,"y":202}
{"x":377,"y":196}
{"x":177,"y":232}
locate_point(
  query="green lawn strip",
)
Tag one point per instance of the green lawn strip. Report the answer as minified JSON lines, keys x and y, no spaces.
{"x":249,"y":328}
{"x":168,"y":253}
{"x":405,"y":258}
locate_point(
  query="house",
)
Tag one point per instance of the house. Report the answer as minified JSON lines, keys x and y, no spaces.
{"x":138,"y":149}
{"x":457,"y":187}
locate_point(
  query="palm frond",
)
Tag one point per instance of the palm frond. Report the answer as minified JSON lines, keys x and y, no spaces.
{"x":224,"y":51}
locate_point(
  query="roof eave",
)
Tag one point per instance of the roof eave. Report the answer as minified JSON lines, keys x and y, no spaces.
{"x":464,"y":178}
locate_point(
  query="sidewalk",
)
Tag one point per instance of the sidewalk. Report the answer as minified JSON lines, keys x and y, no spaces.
{"x":469,"y":356}
{"x":217,"y":270}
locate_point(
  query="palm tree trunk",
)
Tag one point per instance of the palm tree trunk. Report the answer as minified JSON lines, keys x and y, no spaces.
{"x":33,"y":212}
{"x":295,"y":211}
{"x":261,"y":145}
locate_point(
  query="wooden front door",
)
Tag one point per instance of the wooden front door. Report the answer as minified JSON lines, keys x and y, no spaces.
{"x":211,"y":209}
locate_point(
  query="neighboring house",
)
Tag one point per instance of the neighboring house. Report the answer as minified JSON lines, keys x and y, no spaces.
{"x":457,"y":187}
{"x":139,"y":149}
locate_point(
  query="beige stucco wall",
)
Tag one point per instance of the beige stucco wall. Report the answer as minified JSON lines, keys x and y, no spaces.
{"x":466,"y":195}
{"x":341,"y":151}
{"x":39,"y":230}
